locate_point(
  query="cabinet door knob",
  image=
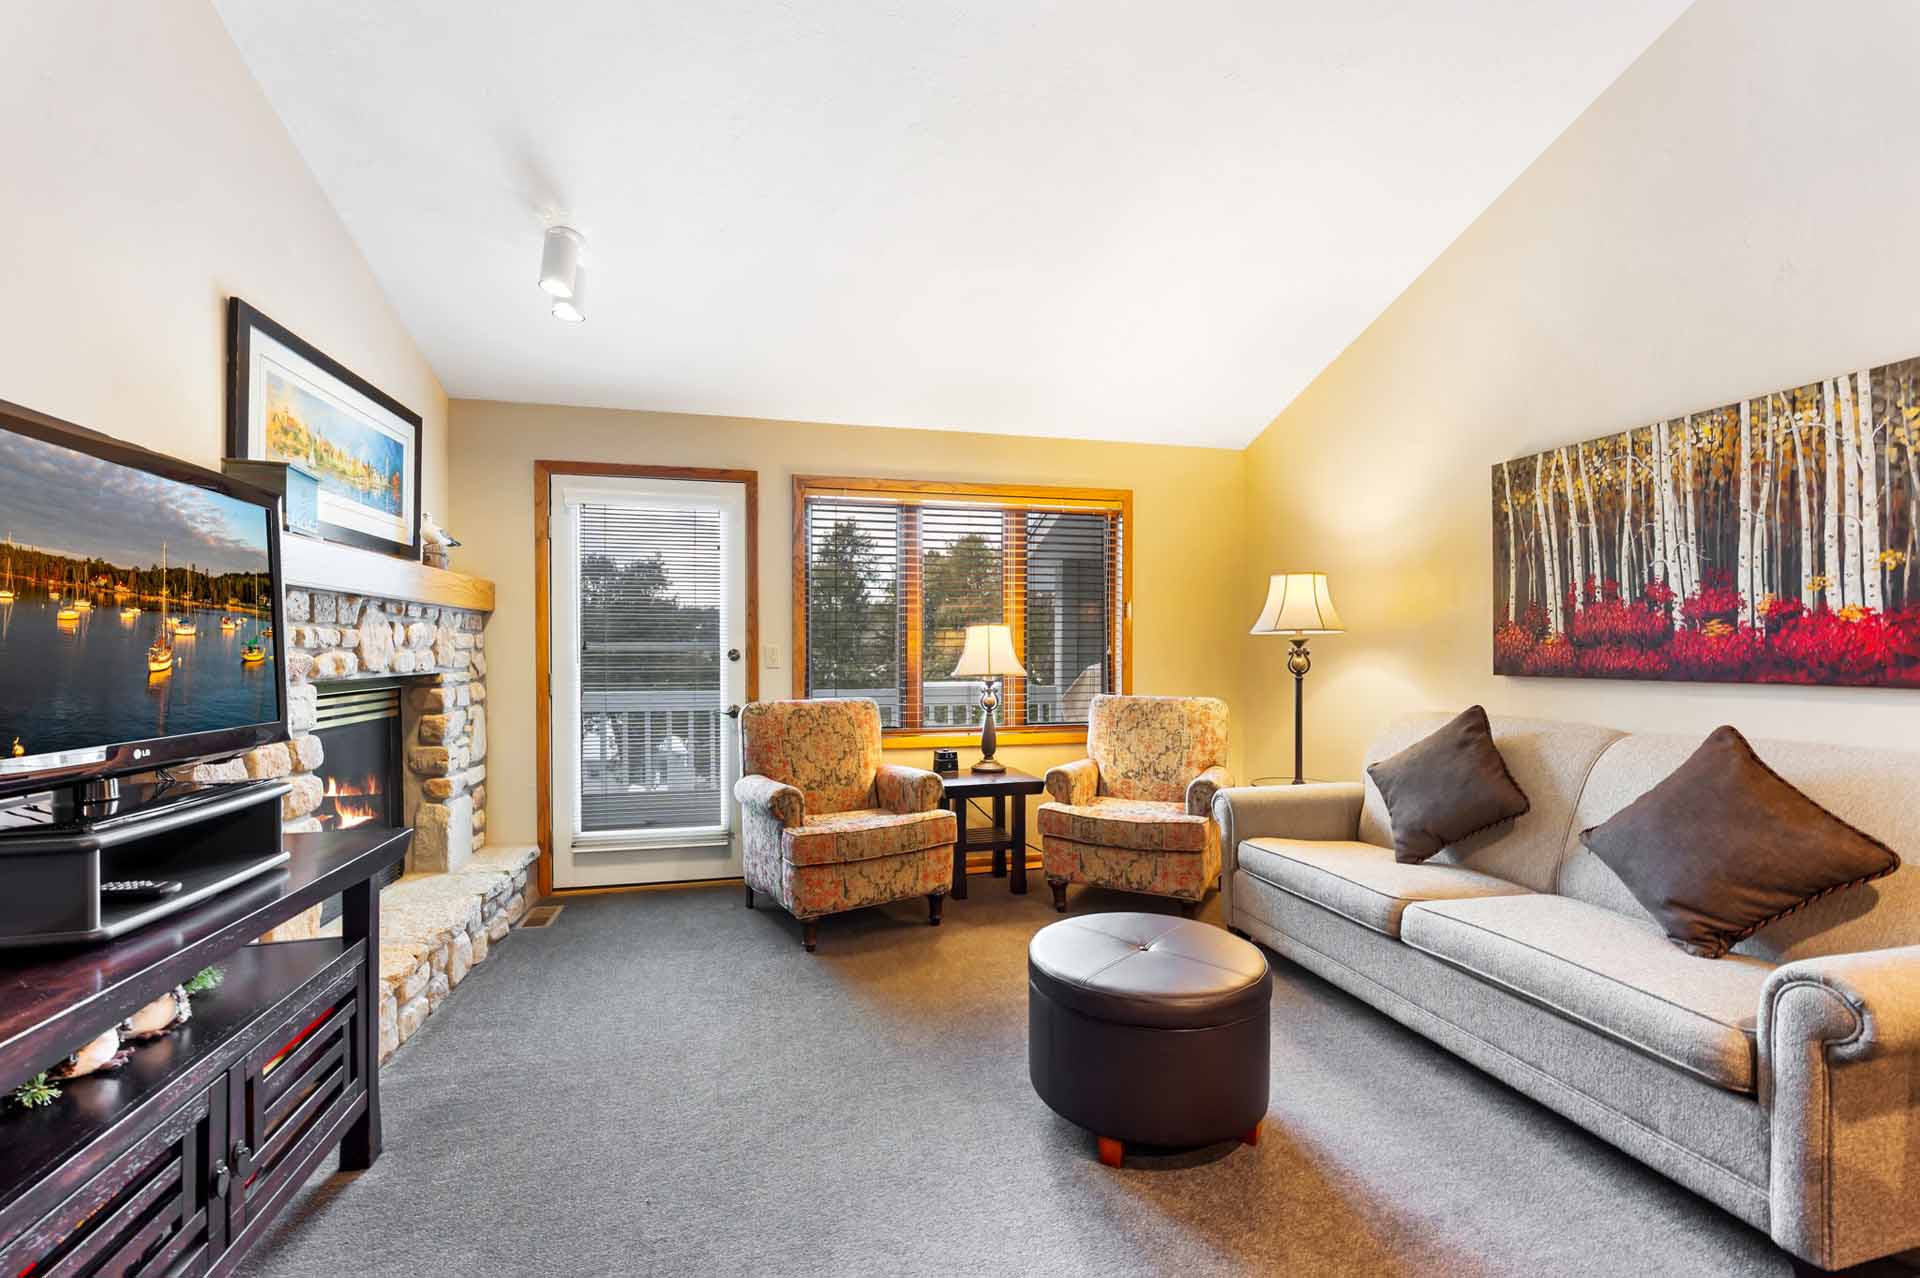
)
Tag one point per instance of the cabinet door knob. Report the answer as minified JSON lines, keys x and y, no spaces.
{"x":221,"y":1179}
{"x":243,"y":1159}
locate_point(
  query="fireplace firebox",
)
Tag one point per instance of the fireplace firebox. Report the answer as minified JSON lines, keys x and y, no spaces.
{"x":358,"y":724}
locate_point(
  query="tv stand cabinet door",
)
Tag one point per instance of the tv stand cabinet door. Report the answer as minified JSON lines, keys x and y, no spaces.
{"x":292,"y":1096}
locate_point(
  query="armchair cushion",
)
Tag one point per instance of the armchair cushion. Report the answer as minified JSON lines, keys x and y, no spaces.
{"x":1075,"y":782}
{"x":903,"y":789}
{"x":831,"y":838}
{"x":828,"y":749}
{"x":1139,"y":824}
{"x":1153,"y":747}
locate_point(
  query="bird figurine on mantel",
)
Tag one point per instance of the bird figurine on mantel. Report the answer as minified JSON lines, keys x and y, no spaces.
{"x":436,"y":544}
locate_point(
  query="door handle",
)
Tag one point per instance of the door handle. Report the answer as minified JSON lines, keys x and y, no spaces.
{"x":733,"y":654}
{"x":733,"y":712}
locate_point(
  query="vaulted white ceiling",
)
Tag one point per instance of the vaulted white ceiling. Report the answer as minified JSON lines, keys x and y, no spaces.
{"x":1088,"y":218}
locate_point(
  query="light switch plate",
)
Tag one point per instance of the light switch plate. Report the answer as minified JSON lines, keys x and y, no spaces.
{"x":770,"y":656}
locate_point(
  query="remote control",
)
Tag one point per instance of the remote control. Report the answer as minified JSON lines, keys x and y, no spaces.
{"x":139,"y":889}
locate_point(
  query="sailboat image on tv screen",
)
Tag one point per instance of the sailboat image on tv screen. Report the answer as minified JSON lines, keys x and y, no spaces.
{"x":6,"y":589}
{"x":160,"y":653}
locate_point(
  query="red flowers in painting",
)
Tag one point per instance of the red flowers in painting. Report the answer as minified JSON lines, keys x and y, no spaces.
{"x":1702,"y":637}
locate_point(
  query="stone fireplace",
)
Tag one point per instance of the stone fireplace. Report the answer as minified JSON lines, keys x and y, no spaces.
{"x":386,"y":675}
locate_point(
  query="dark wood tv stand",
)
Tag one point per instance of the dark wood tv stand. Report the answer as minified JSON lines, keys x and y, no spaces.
{"x":176,"y":1163}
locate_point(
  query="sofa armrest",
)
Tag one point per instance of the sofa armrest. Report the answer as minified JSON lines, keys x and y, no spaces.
{"x":903,"y":789}
{"x":1075,"y":782}
{"x":1839,"y":1046}
{"x":1201,"y":789}
{"x":771,"y":800}
{"x":1317,"y":810}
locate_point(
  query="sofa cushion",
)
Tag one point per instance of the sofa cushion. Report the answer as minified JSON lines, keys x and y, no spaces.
{"x":833,"y":838}
{"x":1447,"y":786}
{"x":1361,"y":881}
{"x":1549,"y":761}
{"x":1142,"y":824}
{"x":1608,"y":972}
{"x":1724,"y":846}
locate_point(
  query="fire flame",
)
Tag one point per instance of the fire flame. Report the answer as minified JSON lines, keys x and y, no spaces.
{"x":344,"y":806}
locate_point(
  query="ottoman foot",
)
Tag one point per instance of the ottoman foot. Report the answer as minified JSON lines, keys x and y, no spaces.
{"x":809,"y":935}
{"x":934,"y":901}
{"x":1111,"y":1151}
{"x":1252,"y":1137}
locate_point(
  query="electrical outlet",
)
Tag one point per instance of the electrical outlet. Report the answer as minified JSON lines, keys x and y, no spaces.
{"x":770,"y":656}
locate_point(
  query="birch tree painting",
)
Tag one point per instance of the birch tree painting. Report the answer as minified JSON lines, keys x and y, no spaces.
{"x":1768,"y":541}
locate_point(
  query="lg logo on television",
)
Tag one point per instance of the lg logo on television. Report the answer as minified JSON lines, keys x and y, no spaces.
{"x":141,"y":754}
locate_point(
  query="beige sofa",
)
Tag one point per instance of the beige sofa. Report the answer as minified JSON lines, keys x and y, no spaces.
{"x":1781,"y":1082}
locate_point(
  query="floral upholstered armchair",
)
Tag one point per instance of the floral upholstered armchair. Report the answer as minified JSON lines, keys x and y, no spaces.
{"x":827,"y":826}
{"x":1138,"y":814}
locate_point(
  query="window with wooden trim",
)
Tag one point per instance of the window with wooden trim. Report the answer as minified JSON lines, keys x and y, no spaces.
{"x":888,"y":575}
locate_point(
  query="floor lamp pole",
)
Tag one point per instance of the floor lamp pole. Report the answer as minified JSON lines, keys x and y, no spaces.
{"x":1299,"y":661}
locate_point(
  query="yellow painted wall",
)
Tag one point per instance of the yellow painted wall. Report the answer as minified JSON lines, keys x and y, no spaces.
{"x":147,"y":178}
{"x":1734,"y":215}
{"x":1187,"y":542}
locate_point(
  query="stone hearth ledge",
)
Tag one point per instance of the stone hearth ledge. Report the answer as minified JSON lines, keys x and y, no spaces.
{"x":436,"y":926}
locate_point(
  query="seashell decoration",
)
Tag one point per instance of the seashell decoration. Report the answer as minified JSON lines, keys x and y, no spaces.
{"x":167,"y":1013}
{"x":102,"y":1053}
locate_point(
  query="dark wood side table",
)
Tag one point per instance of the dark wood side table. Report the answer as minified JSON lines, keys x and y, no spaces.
{"x":1007,"y":839}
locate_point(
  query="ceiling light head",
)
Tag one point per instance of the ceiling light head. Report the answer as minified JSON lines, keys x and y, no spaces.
{"x":573,"y":310}
{"x":560,"y":260}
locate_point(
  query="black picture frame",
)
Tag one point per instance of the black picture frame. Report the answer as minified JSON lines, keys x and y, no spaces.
{"x":243,"y":322}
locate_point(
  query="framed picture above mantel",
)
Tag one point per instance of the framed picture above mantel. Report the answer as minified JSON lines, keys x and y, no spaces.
{"x":288,"y":401}
{"x":1770,"y":540}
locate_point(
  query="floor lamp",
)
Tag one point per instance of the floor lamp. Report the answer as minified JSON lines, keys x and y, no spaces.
{"x":1299,"y":605}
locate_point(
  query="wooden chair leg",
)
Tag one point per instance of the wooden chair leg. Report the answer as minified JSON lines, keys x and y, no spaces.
{"x":1252,"y":1137}
{"x":749,"y":896}
{"x":1059,"y":887}
{"x":934,"y":901}
{"x":809,"y":934}
{"x":1111,"y":1151}
{"x":1189,"y":908}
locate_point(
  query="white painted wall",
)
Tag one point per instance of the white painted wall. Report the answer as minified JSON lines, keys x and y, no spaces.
{"x":1740,"y":212}
{"x":143,"y":179}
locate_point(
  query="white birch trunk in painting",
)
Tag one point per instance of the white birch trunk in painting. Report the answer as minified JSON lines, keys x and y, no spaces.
{"x":1549,"y":535}
{"x":1746,"y":512}
{"x":1690,"y":512}
{"x":1672,"y":524}
{"x":1576,"y":536}
{"x":1830,"y":541}
{"x":1513,"y":547}
{"x":1626,"y":514}
{"x":1805,"y":495}
{"x":1870,"y":567}
{"x":1764,"y":550}
{"x":1850,"y":482}
{"x":1596,"y":547}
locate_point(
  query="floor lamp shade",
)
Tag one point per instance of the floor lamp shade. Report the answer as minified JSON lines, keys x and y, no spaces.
{"x":987,"y":656}
{"x":1299,"y":605}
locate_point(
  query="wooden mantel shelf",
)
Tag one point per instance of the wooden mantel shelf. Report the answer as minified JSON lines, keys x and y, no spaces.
{"x":322,"y":565}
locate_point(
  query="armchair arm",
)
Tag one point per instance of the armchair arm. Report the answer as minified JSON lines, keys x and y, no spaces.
{"x":1201,"y":789}
{"x":1839,"y":1044}
{"x":1317,"y":810}
{"x":903,"y":789}
{"x":1075,"y":782}
{"x":771,"y":800}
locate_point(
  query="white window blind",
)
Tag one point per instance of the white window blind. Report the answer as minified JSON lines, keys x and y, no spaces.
{"x":652,"y":593}
{"x":890,"y":582}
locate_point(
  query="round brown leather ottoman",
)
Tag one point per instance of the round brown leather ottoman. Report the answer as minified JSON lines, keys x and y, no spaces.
{"x":1149,"y":1029}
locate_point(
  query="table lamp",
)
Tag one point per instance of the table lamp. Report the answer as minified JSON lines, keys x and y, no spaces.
{"x":988,"y":657}
{"x":1298,"y":605}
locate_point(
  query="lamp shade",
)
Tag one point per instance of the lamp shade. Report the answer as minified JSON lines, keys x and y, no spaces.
{"x":989,"y":652}
{"x":1298,"y":603}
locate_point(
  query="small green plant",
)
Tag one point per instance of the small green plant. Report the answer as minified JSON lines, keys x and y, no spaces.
{"x":207,"y":978}
{"x":35,"y":1092}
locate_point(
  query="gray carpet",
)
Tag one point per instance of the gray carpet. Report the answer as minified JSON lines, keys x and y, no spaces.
{"x":664,"y":1083}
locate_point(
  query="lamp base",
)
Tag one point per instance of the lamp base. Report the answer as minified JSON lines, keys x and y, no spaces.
{"x":988,"y":765}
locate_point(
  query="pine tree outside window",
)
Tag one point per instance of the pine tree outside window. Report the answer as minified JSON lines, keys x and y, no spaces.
{"x":889,"y":574}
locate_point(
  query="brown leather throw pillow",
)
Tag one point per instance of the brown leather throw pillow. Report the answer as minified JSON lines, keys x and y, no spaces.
{"x":1724,"y":846}
{"x":1447,"y":786}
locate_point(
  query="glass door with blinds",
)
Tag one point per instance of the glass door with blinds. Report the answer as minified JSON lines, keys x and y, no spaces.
{"x":648,"y":613}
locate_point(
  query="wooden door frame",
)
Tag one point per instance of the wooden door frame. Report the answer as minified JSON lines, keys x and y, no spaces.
{"x":544,"y":472}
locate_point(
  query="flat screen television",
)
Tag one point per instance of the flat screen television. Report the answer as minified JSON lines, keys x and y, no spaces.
{"x":140,"y":608}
